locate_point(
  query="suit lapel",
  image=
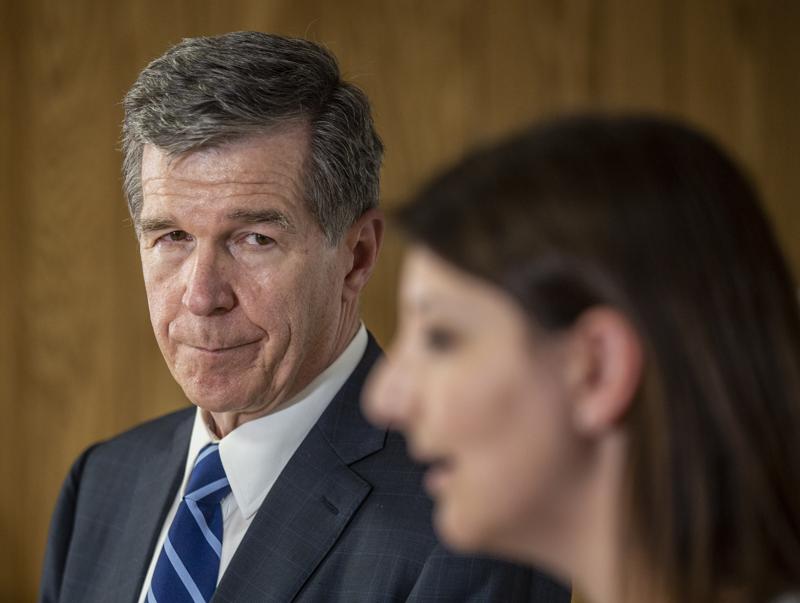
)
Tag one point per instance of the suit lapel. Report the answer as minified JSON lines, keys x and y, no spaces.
{"x":153,"y":493}
{"x":310,"y":504}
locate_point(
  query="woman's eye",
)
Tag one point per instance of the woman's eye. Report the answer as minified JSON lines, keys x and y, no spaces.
{"x":261,"y":240}
{"x":438,"y":339}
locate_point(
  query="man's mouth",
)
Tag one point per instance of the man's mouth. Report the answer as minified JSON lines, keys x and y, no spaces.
{"x":220,"y":349}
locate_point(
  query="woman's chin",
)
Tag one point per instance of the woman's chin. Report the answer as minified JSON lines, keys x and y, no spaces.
{"x":471,"y":534}
{"x":458,"y":532}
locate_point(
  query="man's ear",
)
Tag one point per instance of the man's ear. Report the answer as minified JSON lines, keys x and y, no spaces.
{"x":362,"y":242}
{"x":604,"y":369}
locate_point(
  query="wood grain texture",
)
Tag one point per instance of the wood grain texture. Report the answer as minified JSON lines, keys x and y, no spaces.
{"x":78,"y":362}
{"x":9,"y":333}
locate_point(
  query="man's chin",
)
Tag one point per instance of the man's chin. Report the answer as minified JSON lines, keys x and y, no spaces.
{"x":215,"y":406}
{"x":216,"y":391}
{"x":230,"y":404}
{"x":217,"y":395}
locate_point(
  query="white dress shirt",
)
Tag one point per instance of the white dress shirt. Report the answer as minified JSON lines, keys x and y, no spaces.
{"x":255,"y":453}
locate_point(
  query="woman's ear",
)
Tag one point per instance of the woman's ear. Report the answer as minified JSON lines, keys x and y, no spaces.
{"x":604,"y":368}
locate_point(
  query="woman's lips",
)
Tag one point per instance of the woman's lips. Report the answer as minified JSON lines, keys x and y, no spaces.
{"x":438,"y":475}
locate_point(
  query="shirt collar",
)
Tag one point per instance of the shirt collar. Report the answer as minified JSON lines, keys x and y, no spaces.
{"x":255,"y":453}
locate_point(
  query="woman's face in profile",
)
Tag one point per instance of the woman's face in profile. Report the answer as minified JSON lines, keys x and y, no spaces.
{"x":478,"y":395}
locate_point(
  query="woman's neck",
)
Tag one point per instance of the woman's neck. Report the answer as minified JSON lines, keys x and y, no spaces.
{"x":603,"y":566}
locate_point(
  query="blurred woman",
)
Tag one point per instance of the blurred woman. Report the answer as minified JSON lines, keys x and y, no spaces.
{"x":599,"y":356}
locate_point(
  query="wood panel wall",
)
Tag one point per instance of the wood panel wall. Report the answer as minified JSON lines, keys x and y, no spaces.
{"x":77,"y":359}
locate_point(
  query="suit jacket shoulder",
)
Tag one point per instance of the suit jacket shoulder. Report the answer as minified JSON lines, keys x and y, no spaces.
{"x":110,"y":509}
{"x":347,"y":520}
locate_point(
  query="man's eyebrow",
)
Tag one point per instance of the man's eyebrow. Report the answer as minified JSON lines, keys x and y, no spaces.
{"x":260,"y":216}
{"x":249,"y":216}
{"x":146,"y":225}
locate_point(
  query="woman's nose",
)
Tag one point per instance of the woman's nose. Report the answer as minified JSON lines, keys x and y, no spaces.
{"x":388,"y":398}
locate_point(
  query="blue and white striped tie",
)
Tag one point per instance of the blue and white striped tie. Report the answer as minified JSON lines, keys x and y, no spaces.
{"x":188,"y":565}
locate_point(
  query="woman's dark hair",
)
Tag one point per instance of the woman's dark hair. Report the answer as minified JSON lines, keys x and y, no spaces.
{"x":650,"y":217}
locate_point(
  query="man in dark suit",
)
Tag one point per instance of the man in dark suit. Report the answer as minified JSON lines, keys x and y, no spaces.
{"x":251,"y":171}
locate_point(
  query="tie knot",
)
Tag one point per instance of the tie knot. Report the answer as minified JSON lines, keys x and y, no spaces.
{"x":208,"y":484}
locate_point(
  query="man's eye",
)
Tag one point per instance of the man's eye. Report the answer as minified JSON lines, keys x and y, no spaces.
{"x":261,"y":240}
{"x":438,"y":339}
{"x":176,"y":236}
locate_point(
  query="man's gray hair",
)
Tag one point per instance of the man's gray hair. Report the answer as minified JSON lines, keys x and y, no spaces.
{"x":207,"y":91}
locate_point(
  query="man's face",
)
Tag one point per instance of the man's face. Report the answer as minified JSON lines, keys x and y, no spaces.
{"x":245,"y":293}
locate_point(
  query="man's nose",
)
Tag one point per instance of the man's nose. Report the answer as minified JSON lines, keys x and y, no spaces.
{"x":208,"y":288}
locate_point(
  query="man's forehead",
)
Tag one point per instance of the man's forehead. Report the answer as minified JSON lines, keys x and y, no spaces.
{"x":277,"y":153}
{"x":257,"y":179}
